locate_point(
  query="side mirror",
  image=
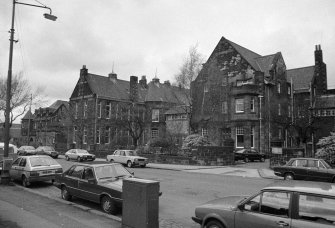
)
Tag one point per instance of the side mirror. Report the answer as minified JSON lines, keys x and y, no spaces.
{"x":241,"y":207}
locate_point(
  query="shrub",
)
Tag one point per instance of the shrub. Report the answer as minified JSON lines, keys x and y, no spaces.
{"x":195,"y":140}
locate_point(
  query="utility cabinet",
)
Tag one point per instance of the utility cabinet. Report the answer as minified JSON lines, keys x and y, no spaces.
{"x":140,"y":203}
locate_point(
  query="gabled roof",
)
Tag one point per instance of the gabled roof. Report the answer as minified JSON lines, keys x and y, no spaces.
{"x":58,"y":103}
{"x":248,"y":55}
{"x":301,"y":78}
{"x":265,"y":63}
{"x":28,"y":116}
{"x":325,"y":101}
{"x":165,"y":93}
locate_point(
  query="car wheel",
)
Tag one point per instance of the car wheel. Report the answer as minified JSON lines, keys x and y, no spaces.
{"x":262,"y":160}
{"x":67,"y":158}
{"x":65,"y":194}
{"x":129,"y":164}
{"x":25,"y":182}
{"x":214,"y":224}
{"x":108,"y":205}
{"x":78,"y":159}
{"x":246,"y":160}
{"x":288,"y":176}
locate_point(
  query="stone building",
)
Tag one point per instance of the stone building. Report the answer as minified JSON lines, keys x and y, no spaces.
{"x":254,"y":100}
{"x":108,"y":112}
{"x":47,"y":126}
{"x":242,"y":95}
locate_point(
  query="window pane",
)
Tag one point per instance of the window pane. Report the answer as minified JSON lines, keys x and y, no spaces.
{"x":275,"y":203}
{"x":253,"y":204}
{"x":316,"y":208}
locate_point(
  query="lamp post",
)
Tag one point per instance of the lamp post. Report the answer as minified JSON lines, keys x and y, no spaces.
{"x":9,"y":77}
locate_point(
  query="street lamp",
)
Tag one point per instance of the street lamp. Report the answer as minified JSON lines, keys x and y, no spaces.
{"x":9,"y":77}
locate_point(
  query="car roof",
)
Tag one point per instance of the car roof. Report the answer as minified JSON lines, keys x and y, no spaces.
{"x":34,"y":156}
{"x":321,"y":188}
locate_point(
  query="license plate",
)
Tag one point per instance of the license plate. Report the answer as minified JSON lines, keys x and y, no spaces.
{"x":47,"y":172}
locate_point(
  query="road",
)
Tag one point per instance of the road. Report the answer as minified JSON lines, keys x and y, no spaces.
{"x":182,"y":191}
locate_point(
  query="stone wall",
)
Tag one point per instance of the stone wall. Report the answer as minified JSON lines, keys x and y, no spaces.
{"x":205,"y":156}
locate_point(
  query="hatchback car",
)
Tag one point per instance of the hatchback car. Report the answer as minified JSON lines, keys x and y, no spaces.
{"x":79,"y":155}
{"x":247,"y":155}
{"x":311,"y":169}
{"x":34,"y":168}
{"x":26,"y":150}
{"x":47,"y":150}
{"x":282,"y":204}
{"x":127,"y":157}
{"x":100,"y":182}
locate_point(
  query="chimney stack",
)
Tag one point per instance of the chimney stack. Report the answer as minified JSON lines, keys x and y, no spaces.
{"x":133,"y":94}
{"x":112,"y":77}
{"x":143,"y":81}
{"x":318,"y":55}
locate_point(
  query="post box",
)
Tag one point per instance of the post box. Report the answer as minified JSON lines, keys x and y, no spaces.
{"x":140,"y":203}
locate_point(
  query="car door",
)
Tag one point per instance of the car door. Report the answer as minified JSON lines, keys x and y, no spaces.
{"x":314,"y":211}
{"x":116,"y":156}
{"x":13,"y":172}
{"x":300,"y":169}
{"x":21,"y":169}
{"x":72,"y":179}
{"x":316,"y":171}
{"x":88,"y":185}
{"x":266,"y":210}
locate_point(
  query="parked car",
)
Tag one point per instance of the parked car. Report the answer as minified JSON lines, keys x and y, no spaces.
{"x":79,"y":155}
{"x":26,"y":150}
{"x":247,"y":155}
{"x":311,"y":169}
{"x":282,"y":204}
{"x":127,"y":157}
{"x":12,"y":148}
{"x":100,"y":182}
{"x":34,"y":168}
{"x":47,"y":150}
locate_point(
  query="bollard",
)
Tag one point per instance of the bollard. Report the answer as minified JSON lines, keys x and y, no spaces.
{"x":140,"y":203}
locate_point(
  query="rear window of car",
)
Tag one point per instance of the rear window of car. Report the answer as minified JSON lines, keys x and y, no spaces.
{"x":317,"y":208}
{"x":39,"y":161}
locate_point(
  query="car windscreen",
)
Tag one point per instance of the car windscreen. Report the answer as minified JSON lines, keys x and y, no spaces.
{"x":48,"y":148}
{"x":39,"y":161}
{"x":27,"y":148}
{"x":111,"y":171}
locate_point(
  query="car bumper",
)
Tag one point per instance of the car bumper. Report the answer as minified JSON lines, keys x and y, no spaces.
{"x":42,"y":178}
{"x":197,"y":220}
{"x":140,"y":162}
{"x":88,"y":159}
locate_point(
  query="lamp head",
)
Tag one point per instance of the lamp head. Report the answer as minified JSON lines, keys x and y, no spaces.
{"x":50,"y":17}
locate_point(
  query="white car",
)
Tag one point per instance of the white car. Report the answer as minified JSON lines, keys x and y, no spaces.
{"x":127,"y":157}
{"x":34,"y":168}
{"x":79,"y":155}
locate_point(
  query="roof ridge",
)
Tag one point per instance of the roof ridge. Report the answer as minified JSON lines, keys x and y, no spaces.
{"x":242,"y":47}
{"x":300,"y":68}
{"x":263,"y":56}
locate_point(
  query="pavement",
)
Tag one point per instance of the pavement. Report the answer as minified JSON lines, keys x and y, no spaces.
{"x":247,"y":170}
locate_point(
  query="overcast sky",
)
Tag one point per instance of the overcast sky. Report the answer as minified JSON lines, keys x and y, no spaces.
{"x":139,"y":36}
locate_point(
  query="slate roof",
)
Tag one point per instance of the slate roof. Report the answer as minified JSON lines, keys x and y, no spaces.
{"x":325,"y":101}
{"x":301,"y":78}
{"x":28,"y":115}
{"x":58,"y":103}
{"x":119,"y":90}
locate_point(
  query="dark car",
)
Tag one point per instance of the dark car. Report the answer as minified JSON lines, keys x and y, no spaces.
{"x":26,"y":150}
{"x":283,"y":204}
{"x":311,"y":169}
{"x":47,"y":150}
{"x":99,"y":182}
{"x":247,"y":155}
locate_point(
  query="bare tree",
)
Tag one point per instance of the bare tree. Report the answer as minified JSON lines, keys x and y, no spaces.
{"x":22,"y":96}
{"x":188,"y":72}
